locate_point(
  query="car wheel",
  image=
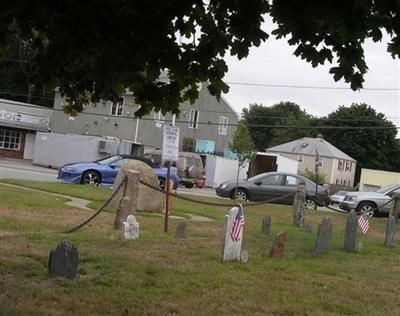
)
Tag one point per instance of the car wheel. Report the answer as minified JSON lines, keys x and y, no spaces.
{"x":310,"y":203}
{"x":91,"y":177}
{"x":161,"y":182}
{"x":367,"y":208}
{"x":241,"y":195}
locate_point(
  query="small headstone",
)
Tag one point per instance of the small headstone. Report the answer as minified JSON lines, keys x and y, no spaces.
{"x":233,"y":234}
{"x":308,"y":228}
{"x":130,"y":228}
{"x":266,"y":224}
{"x":279,"y":246}
{"x":244,"y":256}
{"x":359,"y":246}
{"x":180,"y":230}
{"x":323,"y":236}
{"x":390,"y":237}
{"x":351,"y":232}
{"x":63,"y":261}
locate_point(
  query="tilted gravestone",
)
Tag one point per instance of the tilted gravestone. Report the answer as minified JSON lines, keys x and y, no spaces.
{"x":299,"y":206}
{"x":350,"y":232}
{"x":324,"y":236}
{"x":233,"y":234}
{"x":180,"y":230}
{"x":308,"y":228}
{"x":279,"y":246}
{"x":390,"y":236}
{"x":266,"y":225}
{"x":130,"y":228}
{"x":63,"y":261}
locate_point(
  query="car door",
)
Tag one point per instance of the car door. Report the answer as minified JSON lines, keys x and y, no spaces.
{"x":111,"y":170}
{"x":267,"y":188}
{"x":289,"y":188}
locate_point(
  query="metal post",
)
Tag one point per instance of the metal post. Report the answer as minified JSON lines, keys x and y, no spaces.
{"x":167,"y":197}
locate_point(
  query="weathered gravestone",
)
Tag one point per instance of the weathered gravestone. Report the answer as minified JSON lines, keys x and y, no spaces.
{"x":266,"y":225}
{"x":180,"y":230}
{"x":299,"y":206}
{"x":390,"y":237}
{"x":308,"y":228}
{"x":127,"y":195}
{"x":395,"y":210}
{"x":351,"y":232}
{"x":233,"y":234}
{"x":279,"y":246}
{"x":130,"y":228}
{"x":244,"y":256}
{"x":63,"y":261}
{"x":324,"y":236}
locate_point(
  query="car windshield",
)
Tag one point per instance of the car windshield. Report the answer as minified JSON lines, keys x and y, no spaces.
{"x":387,"y":188}
{"x":108,"y":160}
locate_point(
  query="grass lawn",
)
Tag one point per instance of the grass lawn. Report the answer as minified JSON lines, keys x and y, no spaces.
{"x":160,"y":275}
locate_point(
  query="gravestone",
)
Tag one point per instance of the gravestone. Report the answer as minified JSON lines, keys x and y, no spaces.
{"x":130,"y":228}
{"x":350,"y":232}
{"x":244,"y":256}
{"x":63,"y":261}
{"x":279,"y":246}
{"x":299,"y":206}
{"x":390,"y":237}
{"x":308,"y":228}
{"x":180,"y":230}
{"x":266,"y":225}
{"x":395,"y":210}
{"x":323,"y":236}
{"x":233,"y":234}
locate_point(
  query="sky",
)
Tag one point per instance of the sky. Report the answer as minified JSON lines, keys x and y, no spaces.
{"x":273,"y":63}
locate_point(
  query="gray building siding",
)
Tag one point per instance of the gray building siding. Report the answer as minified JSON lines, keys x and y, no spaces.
{"x":97,"y":120}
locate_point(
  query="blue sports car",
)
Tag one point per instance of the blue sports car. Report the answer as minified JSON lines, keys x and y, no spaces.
{"x":104,"y":171}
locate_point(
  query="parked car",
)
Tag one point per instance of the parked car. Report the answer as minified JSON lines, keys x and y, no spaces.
{"x":189,"y":167}
{"x":371,"y":203}
{"x":338,"y":197}
{"x":104,"y":171}
{"x":271,"y":185}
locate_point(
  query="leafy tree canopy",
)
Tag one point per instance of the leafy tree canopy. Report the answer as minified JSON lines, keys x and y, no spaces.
{"x":242,"y":144}
{"x":262,"y":120}
{"x":96,"y":50}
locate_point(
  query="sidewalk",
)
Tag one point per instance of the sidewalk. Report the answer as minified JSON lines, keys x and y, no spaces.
{"x":24,"y":164}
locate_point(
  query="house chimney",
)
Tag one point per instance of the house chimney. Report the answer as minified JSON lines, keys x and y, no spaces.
{"x":319,"y":135}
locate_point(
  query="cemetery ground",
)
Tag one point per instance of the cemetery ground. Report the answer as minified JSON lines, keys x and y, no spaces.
{"x":158,"y":274}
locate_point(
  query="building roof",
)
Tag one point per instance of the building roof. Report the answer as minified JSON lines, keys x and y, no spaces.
{"x":309,"y":146}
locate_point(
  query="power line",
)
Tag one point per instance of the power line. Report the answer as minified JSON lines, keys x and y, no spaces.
{"x":305,"y":87}
{"x":210,"y":123}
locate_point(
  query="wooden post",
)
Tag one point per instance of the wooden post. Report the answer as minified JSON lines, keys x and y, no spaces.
{"x":128,"y":199}
{"x":167,"y":197}
{"x":298,"y":206}
{"x":395,"y":210}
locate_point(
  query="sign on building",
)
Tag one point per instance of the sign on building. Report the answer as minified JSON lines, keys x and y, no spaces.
{"x":170,"y":143}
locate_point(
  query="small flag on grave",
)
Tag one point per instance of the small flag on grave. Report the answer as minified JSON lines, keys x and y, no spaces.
{"x":237,"y":224}
{"x":363,"y":223}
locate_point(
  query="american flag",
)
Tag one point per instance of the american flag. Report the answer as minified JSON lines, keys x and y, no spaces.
{"x":363,"y":223}
{"x":237,"y":224}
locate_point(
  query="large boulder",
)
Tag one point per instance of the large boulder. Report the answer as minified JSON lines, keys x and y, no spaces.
{"x":149,"y":200}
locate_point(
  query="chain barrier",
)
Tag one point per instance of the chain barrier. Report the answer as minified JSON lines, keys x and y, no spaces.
{"x":84,"y":223}
{"x":182,"y":197}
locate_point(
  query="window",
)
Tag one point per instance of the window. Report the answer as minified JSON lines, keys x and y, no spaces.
{"x":340,"y":165}
{"x":193,"y":118}
{"x":117,"y":107}
{"x":272,"y":180}
{"x":159,"y":118}
{"x":300,"y":158}
{"x":348,"y":166}
{"x":293,"y":181}
{"x":10,"y":139}
{"x":223,"y":125}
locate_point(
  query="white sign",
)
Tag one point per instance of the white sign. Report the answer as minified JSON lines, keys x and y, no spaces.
{"x":170,"y":143}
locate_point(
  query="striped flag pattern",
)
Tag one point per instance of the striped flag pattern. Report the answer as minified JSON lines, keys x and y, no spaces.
{"x":363,"y":223}
{"x":237,"y":224}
